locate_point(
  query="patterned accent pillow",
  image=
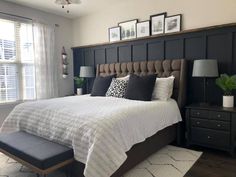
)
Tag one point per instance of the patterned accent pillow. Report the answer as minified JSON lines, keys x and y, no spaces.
{"x":117,"y":88}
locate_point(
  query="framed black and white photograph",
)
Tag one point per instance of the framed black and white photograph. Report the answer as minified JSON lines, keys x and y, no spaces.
{"x":114,"y":34}
{"x":158,"y":23}
{"x":128,"y":29}
{"x":173,"y":23}
{"x":143,"y":29}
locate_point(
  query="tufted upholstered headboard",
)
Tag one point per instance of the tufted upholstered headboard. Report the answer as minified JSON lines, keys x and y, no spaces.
{"x":163,"y":68}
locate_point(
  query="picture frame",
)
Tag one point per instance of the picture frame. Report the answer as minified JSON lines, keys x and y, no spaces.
{"x":173,"y":23}
{"x":143,"y":29}
{"x":128,"y":29}
{"x":158,"y":23}
{"x":114,"y":34}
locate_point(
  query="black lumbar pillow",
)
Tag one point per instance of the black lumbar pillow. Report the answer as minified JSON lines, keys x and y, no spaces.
{"x":101,"y":85}
{"x":140,"y":87}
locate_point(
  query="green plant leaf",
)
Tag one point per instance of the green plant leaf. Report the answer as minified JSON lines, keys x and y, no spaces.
{"x":226,"y":83}
{"x":79,"y":82}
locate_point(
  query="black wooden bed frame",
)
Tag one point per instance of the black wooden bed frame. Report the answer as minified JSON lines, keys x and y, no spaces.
{"x":142,"y":150}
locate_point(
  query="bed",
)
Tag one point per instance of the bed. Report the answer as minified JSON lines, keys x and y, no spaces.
{"x":99,"y":128}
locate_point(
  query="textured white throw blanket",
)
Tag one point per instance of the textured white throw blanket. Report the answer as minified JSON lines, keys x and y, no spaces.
{"x":99,"y":129}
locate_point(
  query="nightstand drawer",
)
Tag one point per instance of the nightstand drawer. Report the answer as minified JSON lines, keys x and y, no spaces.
{"x":200,"y":123}
{"x":220,"y":115}
{"x":212,"y":124}
{"x":211,"y":137}
{"x":199,"y":113}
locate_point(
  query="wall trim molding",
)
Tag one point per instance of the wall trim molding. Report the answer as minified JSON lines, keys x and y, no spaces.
{"x":159,"y":35}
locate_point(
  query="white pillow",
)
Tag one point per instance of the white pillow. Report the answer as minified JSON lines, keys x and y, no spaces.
{"x":126,"y":78}
{"x":163,"y":88}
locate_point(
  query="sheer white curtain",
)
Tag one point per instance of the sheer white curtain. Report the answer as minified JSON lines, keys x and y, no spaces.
{"x":46,"y":69}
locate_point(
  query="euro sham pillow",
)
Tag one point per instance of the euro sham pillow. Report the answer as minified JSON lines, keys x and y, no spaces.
{"x":163,"y":88}
{"x":126,"y":78}
{"x":117,"y":88}
{"x":140,"y":87}
{"x":100,"y":85}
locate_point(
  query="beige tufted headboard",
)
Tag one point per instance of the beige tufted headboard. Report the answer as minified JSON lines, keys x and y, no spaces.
{"x":163,"y":68}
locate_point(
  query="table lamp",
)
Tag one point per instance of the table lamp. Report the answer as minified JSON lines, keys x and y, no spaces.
{"x":86,"y":72}
{"x":205,"y":68}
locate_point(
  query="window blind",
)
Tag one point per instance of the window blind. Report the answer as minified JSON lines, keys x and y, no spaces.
{"x":17,"y":76}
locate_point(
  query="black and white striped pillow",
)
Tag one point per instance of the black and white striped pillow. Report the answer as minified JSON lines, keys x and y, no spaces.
{"x":117,"y":88}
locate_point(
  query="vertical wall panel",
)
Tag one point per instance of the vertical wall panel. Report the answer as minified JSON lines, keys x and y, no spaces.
{"x":218,"y":47}
{"x":194,"y":49}
{"x":78,"y":60}
{"x":99,"y":56}
{"x":156,"y":50}
{"x":125,"y":53}
{"x":89,"y":57}
{"x":234,"y":53}
{"x":139,"y":52}
{"x":174,"y":49}
{"x":112,"y":55}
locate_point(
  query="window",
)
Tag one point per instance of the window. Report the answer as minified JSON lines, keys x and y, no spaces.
{"x":17,"y":75}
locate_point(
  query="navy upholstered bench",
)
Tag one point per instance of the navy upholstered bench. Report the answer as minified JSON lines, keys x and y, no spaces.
{"x":37,"y":153}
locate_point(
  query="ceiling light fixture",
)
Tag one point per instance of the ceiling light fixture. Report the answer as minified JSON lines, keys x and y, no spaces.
{"x":64,"y":3}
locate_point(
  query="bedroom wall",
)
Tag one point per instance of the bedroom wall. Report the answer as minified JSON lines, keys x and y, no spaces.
{"x":196,"y":13}
{"x":63,"y":38}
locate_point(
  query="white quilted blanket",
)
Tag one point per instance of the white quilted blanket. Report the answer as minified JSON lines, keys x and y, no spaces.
{"x":99,"y":129}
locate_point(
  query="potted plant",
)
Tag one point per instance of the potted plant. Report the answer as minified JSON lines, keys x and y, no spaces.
{"x":79,"y":82}
{"x":227,"y":84}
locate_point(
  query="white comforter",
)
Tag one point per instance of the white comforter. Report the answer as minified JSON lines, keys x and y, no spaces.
{"x":100,"y":129}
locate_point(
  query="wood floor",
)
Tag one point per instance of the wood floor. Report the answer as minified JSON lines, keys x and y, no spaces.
{"x":213,"y":164}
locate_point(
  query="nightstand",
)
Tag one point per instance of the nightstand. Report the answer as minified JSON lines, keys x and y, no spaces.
{"x":211,"y":126}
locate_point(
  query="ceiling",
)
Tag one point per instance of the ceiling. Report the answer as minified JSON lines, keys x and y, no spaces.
{"x":76,"y":10}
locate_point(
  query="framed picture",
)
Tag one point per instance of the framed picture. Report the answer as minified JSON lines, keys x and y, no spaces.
{"x":158,"y":23}
{"x":114,"y":34}
{"x":143,"y":29}
{"x":173,"y":23}
{"x":128,"y":29}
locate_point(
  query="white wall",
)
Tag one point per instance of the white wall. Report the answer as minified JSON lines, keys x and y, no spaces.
{"x":63,"y":38}
{"x":93,"y":28}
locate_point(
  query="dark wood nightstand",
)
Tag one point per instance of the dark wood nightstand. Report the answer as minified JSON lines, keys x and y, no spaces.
{"x":211,"y":126}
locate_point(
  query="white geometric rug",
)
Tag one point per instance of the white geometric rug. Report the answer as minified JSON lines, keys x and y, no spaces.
{"x":170,"y":161}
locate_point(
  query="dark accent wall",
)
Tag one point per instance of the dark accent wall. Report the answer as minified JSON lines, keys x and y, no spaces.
{"x":213,"y":43}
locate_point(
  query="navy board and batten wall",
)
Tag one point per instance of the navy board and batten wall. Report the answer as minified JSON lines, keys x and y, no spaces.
{"x":217,"y":42}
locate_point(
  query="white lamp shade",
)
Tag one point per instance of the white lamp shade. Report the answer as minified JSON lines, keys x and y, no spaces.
{"x":86,"y":71}
{"x":205,"y":68}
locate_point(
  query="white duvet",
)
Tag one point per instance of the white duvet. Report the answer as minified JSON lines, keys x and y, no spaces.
{"x":99,"y":129}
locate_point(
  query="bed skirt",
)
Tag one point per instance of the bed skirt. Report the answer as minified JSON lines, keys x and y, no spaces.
{"x":138,"y":152}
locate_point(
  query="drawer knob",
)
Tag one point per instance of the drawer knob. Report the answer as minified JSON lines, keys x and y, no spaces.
{"x":198,"y":113}
{"x":218,"y":125}
{"x":208,"y":137}
{"x":218,"y":115}
{"x":198,"y":123}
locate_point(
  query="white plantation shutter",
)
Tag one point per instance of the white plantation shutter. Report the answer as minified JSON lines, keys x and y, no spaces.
{"x":17,"y":76}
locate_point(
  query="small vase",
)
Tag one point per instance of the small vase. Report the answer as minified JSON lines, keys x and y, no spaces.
{"x":79,"y":91}
{"x":64,"y":56}
{"x":228,"y":101}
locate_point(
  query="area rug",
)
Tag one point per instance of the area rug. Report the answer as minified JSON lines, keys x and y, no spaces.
{"x":170,"y":161}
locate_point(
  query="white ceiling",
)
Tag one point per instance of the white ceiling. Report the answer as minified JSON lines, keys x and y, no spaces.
{"x":76,"y":10}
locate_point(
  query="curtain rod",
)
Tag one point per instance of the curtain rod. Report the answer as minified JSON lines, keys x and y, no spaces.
{"x":16,"y":16}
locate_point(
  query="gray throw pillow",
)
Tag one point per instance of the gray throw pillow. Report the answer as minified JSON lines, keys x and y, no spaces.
{"x":100,"y":85}
{"x":140,"y":87}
